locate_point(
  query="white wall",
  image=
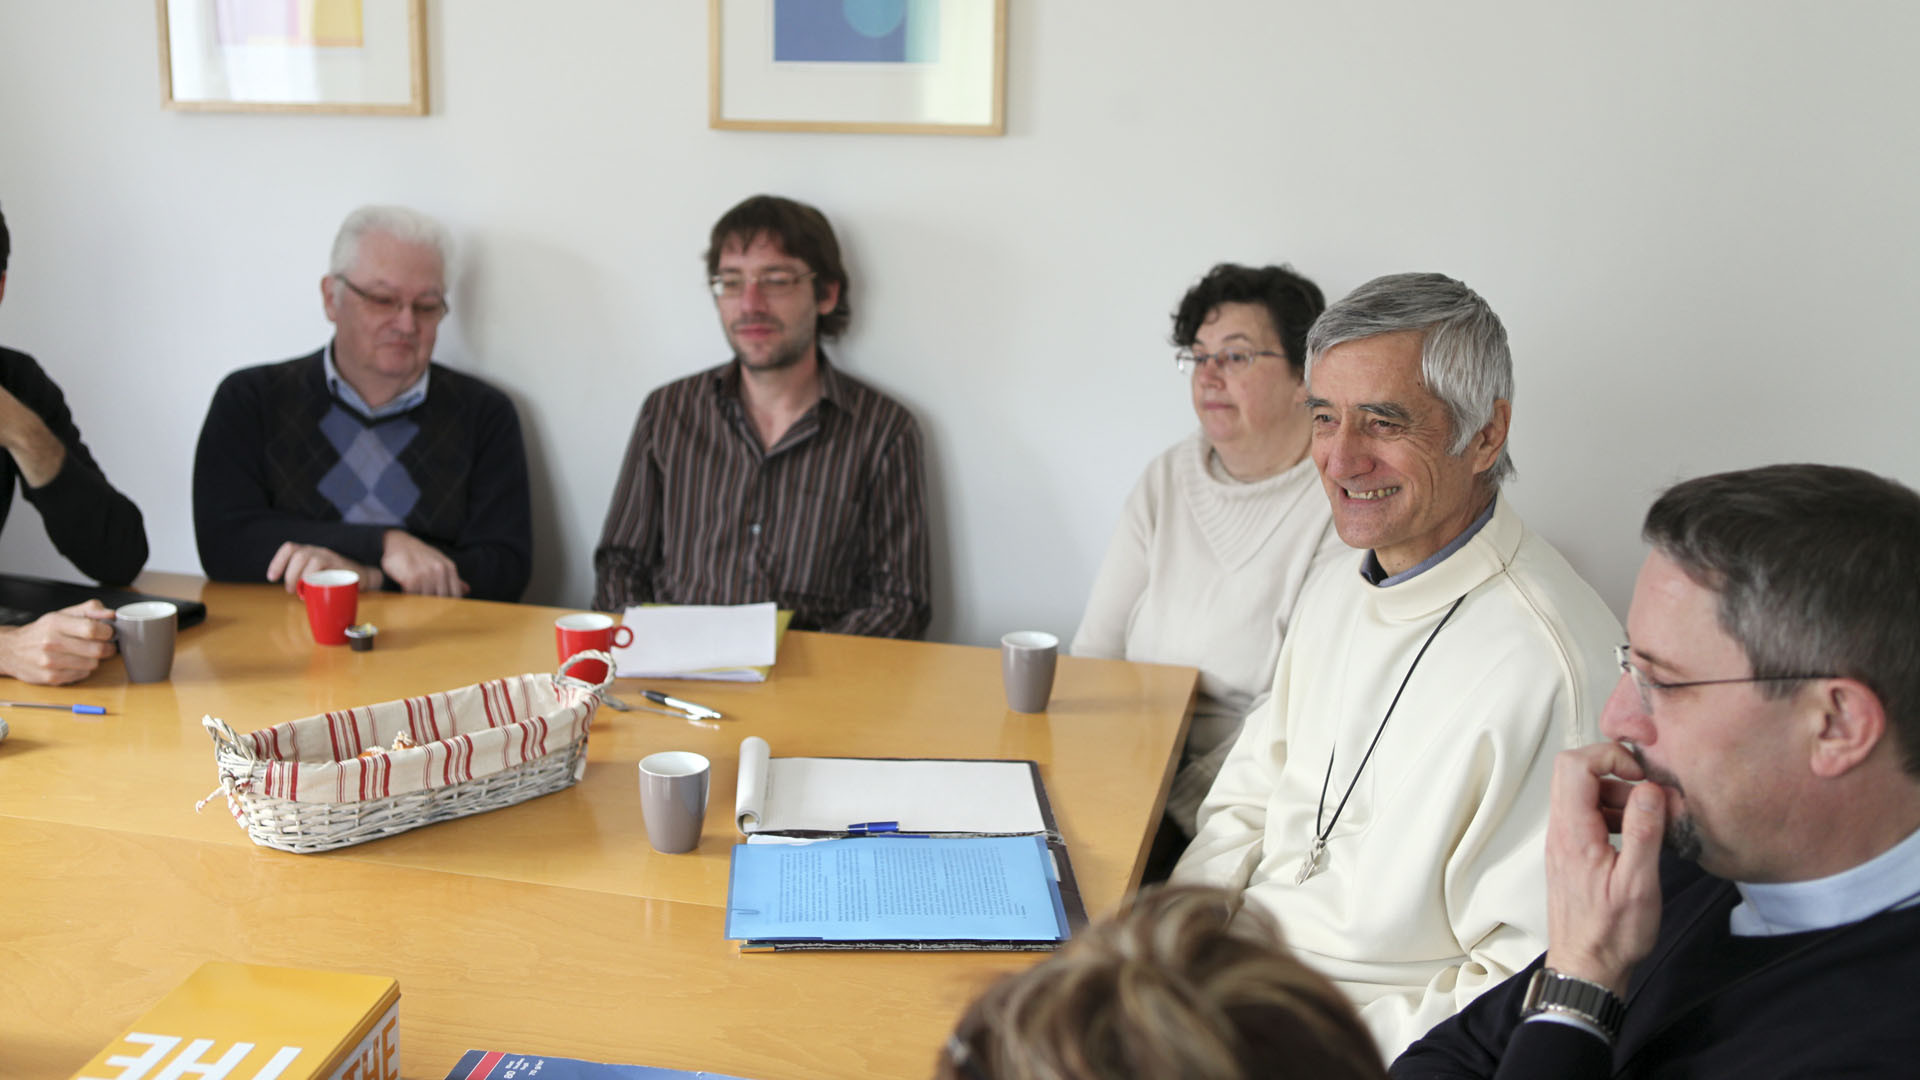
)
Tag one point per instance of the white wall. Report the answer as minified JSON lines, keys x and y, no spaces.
{"x":1699,"y":221}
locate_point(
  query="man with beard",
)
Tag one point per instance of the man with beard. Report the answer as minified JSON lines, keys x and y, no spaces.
{"x":774,"y":476}
{"x":1767,"y":723}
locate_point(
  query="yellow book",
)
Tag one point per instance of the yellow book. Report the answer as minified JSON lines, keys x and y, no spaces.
{"x":252,"y":1022}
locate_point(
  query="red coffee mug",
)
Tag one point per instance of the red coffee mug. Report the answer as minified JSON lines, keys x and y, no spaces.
{"x":333,"y":599}
{"x":588,"y":630}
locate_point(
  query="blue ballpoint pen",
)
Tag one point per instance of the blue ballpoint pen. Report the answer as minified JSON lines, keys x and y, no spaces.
{"x":84,"y":710}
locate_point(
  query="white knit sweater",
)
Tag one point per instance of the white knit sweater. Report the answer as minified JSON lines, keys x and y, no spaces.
{"x":1204,"y":572}
{"x":1433,"y":884}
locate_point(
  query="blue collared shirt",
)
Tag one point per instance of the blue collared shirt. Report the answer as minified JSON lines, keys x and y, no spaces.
{"x":1376,"y":574}
{"x":342,"y":389}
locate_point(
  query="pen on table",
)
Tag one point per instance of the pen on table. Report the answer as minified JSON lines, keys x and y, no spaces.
{"x":694,"y":720}
{"x":84,"y":710}
{"x":874,"y":827}
{"x":672,"y":702}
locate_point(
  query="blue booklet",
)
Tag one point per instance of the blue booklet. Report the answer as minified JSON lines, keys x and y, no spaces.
{"x":495,"y":1065}
{"x":897,"y":892}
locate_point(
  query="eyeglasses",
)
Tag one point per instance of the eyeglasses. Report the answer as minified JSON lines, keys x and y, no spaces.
{"x":1232,"y":361}
{"x":771,"y":283}
{"x":1646,"y":686}
{"x":425,"y":310}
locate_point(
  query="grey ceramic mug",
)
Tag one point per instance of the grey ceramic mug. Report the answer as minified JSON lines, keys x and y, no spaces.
{"x":673,"y":799}
{"x":1027,"y":659}
{"x":144,"y":633}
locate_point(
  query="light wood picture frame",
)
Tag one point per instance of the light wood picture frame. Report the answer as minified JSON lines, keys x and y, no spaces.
{"x":358,"y":57}
{"x":921,"y":67}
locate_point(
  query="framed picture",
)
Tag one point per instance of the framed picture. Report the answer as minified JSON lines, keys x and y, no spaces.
{"x":906,"y":66}
{"x":312,"y":56}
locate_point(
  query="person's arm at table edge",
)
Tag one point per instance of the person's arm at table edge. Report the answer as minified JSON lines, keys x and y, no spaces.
{"x":90,"y":522}
{"x":1604,"y":915}
{"x":494,"y":552}
{"x":1492,"y":774}
{"x":1120,"y":581}
{"x":894,"y":592}
{"x":1232,"y":821}
{"x":1488,"y":1041}
{"x":630,"y":537}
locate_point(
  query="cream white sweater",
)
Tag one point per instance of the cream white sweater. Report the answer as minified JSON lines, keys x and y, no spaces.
{"x":1204,"y":572}
{"x":1433,"y":884}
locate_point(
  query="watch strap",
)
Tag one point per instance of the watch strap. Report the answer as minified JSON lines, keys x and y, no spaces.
{"x":1550,"y":991}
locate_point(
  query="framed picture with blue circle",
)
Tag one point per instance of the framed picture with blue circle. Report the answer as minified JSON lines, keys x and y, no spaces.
{"x":932,"y":67}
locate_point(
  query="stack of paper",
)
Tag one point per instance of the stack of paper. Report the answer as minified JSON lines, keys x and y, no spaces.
{"x":813,"y":796}
{"x":897,"y":891}
{"x":884,"y":853}
{"x":735,"y":643}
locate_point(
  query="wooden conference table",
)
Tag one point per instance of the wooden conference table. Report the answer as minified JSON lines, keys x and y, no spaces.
{"x":547,"y":927}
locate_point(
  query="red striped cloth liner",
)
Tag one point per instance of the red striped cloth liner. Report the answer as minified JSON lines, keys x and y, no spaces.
{"x":464,"y":734}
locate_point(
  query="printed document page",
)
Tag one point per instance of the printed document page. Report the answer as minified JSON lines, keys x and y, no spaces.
{"x":996,"y":888}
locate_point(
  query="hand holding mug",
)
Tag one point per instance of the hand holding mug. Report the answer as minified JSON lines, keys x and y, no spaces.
{"x":59,"y":647}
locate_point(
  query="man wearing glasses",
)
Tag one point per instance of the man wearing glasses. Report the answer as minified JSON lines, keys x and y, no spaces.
{"x":1766,"y":726}
{"x":366,"y":455}
{"x":774,"y":476}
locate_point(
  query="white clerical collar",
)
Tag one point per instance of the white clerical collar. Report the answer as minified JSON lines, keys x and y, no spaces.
{"x":1888,"y":880}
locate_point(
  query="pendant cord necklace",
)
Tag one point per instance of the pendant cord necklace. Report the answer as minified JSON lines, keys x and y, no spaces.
{"x":1312,"y":861}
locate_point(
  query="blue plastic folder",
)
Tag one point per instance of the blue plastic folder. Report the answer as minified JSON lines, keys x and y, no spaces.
{"x":897,"y":892}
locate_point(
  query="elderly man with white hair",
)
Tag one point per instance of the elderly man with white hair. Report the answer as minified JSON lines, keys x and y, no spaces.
{"x":1388,"y":803}
{"x":366,"y":455}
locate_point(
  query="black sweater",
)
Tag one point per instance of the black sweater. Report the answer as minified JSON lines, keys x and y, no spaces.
{"x":1705,"y":1003}
{"x":257,"y":473}
{"x":91,"y":523}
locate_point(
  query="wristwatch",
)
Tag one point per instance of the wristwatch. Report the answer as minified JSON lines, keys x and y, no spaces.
{"x":1551,"y":992}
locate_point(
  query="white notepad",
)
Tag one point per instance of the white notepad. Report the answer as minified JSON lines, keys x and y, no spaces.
{"x":732,"y":642}
{"x":833,"y":795}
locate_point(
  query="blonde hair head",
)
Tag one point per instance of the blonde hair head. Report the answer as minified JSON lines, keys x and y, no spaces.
{"x":1183,"y":983}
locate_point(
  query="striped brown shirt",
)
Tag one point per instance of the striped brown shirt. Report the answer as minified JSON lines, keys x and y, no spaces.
{"x":831,"y":522}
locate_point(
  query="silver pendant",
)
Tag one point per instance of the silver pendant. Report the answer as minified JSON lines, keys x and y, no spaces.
{"x":1311,"y":862}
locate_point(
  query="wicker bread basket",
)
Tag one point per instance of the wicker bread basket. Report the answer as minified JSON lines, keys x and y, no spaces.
{"x":329,"y":781}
